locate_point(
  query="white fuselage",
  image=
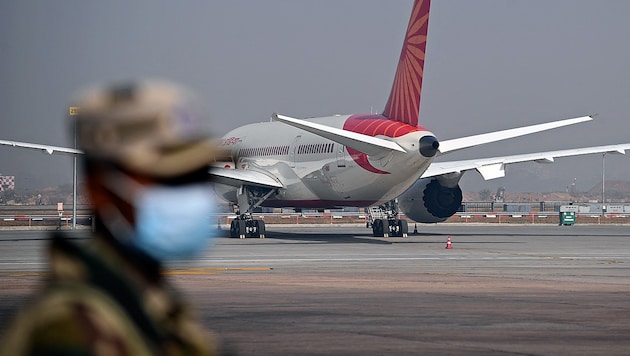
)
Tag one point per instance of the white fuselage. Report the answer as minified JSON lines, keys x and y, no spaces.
{"x":320,"y":173}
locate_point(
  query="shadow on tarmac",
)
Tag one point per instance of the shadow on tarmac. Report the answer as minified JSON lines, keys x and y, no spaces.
{"x":278,"y":237}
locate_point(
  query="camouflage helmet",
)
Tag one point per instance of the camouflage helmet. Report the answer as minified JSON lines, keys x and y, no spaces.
{"x":151,"y":128}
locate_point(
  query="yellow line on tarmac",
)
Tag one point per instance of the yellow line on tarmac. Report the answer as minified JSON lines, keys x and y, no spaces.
{"x":26,"y":274}
{"x":187,"y":271}
{"x":214,"y":270}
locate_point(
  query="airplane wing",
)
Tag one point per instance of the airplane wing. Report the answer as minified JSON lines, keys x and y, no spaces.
{"x":494,"y":167}
{"x":46,"y":148}
{"x":362,"y":143}
{"x":232,"y":177}
{"x":238,"y":177}
{"x":475,"y":140}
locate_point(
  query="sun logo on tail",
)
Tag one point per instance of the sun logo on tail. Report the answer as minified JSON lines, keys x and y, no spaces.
{"x":404,"y":100}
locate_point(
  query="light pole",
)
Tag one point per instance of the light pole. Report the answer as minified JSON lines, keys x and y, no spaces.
{"x":603,"y":183}
{"x":74,"y":111}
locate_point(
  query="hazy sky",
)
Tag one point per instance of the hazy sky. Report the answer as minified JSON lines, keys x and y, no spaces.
{"x":490,"y":64}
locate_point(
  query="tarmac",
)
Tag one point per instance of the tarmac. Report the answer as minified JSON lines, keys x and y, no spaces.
{"x":336,"y":290}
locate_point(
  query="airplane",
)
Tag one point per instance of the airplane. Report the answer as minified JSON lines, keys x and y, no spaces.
{"x":364,"y":160}
{"x":383,"y":161}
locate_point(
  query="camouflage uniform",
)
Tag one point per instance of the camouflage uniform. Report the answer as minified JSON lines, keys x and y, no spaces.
{"x":108,"y":297}
{"x":97,"y":303}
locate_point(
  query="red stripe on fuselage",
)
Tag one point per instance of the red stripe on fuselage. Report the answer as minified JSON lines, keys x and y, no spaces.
{"x":375,"y":125}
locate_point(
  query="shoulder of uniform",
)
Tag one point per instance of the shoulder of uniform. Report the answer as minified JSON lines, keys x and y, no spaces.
{"x":72,"y":317}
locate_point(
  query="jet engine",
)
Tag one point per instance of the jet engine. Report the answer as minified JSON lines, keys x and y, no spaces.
{"x":428,"y":201}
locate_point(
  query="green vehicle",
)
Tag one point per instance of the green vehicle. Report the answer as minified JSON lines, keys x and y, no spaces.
{"x":567,"y":215}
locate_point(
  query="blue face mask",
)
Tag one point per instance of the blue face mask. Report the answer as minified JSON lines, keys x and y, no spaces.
{"x":173,"y":221}
{"x":170,"y":221}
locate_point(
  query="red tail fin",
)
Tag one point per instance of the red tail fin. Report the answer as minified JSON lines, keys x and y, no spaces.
{"x":404,"y":99}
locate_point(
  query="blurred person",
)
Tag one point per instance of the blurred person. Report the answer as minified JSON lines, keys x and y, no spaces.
{"x":146,"y":169}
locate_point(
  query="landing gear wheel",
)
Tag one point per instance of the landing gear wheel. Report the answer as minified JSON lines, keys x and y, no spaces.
{"x":377,"y":228}
{"x":260,"y":228}
{"x":403,"y":228}
{"x":385,"y":228}
{"x":242,"y":229}
{"x":238,"y":228}
{"x":234,"y":228}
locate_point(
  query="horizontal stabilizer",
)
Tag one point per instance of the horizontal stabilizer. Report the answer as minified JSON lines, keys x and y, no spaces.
{"x":491,"y":168}
{"x":362,"y":143}
{"x":476,"y":140}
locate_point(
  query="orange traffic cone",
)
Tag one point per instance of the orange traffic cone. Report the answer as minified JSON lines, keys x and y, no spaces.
{"x":448,"y":242}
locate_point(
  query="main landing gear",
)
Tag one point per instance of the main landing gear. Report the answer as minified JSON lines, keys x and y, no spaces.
{"x":245,"y":225}
{"x":387,"y":228}
{"x":384,"y":221}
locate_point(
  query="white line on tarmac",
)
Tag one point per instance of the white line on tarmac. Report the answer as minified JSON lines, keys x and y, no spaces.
{"x":467,"y":258}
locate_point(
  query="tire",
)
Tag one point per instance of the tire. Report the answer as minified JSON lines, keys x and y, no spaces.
{"x":377,"y":228}
{"x":260,"y":228}
{"x":234,"y":229}
{"x":242,"y":226}
{"x":403,"y":228}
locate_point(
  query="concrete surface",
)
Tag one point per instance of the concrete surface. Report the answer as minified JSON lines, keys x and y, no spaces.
{"x":536,"y":290}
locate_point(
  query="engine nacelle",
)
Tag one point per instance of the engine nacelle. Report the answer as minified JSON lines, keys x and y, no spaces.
{"x":427,"y":201}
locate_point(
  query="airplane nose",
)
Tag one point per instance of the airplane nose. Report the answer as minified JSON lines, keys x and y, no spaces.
{"x":429,"y":146}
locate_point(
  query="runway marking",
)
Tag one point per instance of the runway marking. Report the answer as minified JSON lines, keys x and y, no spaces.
{"x":25,"y":274}
{"x":213,"y":270}
{"x":170,"y":272}
{"x":435,"y":258}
